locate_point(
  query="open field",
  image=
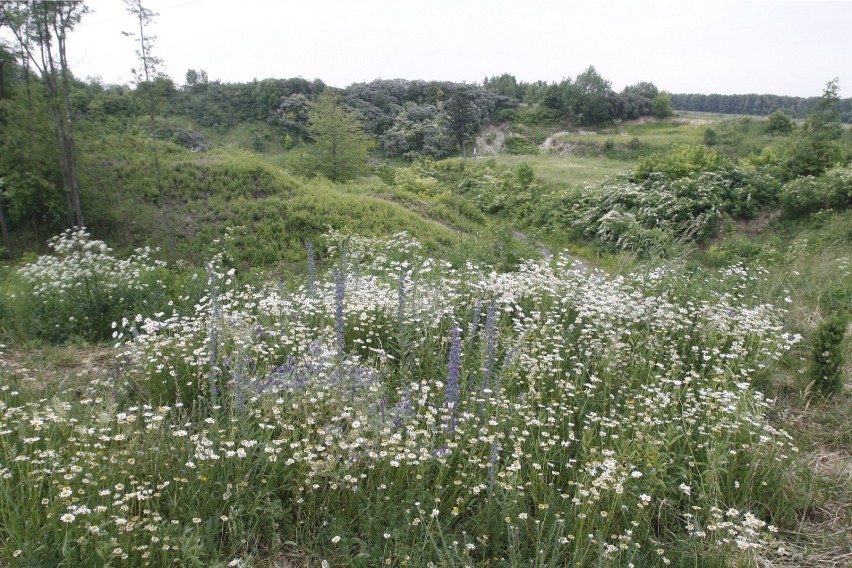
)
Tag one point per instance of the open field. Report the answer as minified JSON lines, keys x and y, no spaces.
{"x":567,"y":170}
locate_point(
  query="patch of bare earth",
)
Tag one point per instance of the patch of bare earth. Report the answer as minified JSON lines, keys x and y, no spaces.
{"x":490,"y":140}
{"x":555,"y":144}
{"x":58,"y":368}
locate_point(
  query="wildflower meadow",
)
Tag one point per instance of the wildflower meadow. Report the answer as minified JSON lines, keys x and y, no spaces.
{"x":392,"y":409}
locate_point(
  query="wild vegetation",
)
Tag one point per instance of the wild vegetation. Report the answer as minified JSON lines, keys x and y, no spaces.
{"x":417,"y":323}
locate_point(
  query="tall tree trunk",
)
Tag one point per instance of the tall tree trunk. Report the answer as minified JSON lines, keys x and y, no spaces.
{"x":69,"y":145}
{"x":4,"y":228}
{"x":46,"y":22}
{"x":3,"y":62}
{"x":69,"y":142}
{"x":149,"y":72}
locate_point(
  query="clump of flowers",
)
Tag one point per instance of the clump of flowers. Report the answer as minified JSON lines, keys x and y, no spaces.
{"x":82,"y":287}
{"x":578,"y":420}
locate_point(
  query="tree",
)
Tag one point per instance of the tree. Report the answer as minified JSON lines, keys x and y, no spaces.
{"x":506,"y":85}
{"x":779,"y":123}
{"x":642,"y":89}
{"x":149,"y":62}
{"x":195,"y":78}
{"x":588,"y":99}
{"x":662,"y":105}
{"x":4,"y":226}
{"x":293,"y":115}
{"x":467,"y":109}
{"x":817,"y":146}
{"x":418,"y":130}
{"x":341,"y":146}
{"x":29,"y":164}
{"x":5,"y":58}
{"x":41,"y":28}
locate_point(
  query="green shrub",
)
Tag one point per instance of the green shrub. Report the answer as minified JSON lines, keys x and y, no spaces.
{"x":525,"y":174}
{"x":183,"y":136}
{"x":806,"y":195}
{"x":536,"y":116}
{"x":827,"y":355}
{"x":519,"y":145}
{"x":681,"y":161}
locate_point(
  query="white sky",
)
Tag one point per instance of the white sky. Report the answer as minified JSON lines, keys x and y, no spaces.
{"x":744,"y":46}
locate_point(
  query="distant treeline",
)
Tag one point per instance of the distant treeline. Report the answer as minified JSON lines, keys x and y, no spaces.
{"x":760,"y":105}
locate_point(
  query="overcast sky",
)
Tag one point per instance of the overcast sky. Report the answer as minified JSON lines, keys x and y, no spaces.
{"x":683,"y":46}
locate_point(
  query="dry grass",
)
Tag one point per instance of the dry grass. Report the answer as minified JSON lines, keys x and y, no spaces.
{"x":822,"y":537}
{"x":52,"y":369}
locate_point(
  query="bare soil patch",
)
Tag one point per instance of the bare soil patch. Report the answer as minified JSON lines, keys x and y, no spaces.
{"x":60,"y":367}
{"x":491,"y":139}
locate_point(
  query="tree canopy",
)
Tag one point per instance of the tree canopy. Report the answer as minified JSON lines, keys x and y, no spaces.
{"x":340,"y":145}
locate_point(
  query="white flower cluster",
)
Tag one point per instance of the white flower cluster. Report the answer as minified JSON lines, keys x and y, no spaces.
{"x":81,"y":267}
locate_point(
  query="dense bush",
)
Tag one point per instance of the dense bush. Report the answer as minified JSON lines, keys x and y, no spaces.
{"x":806,"y":195}
{"x":183,"y":136}
{"x":660,"y":211}
{"x":681,"y":161}
{"x":520,"y":145}
{"x":828,"y":355}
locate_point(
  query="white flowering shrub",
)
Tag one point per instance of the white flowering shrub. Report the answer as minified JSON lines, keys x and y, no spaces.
{"x":81,"y":288}
{"x":806,"y":195}
{"x":408,"y":413}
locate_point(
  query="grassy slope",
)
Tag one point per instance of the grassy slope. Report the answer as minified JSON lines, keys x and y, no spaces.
{"x":183,"y":201}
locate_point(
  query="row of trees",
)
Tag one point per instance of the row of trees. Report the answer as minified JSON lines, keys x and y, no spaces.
{"x":407,"y":118}
{"x":41,"y":29}
{"x":638,"y":100}
{"x":41,"y":102}
{"x":423,"y":118}
{"x":759,"y":105}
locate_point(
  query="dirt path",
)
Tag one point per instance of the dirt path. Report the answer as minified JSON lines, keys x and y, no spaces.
{"x":546,"y":253}
{"x":578,"y":265}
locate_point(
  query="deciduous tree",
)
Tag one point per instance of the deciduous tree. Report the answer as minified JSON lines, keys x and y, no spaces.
{"x":817,"y":145}
{"x":662,"y":105}
{"x":340,"y":146}
{"x":779,"y":123}
{"x":589,"y":97}
{"x":149,"y":62}
{"x":42,"y":28}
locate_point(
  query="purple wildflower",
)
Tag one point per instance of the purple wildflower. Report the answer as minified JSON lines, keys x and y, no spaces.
{"x":490,"y":338}
{"x":339,"y":295}
{"x":454,"y":371}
